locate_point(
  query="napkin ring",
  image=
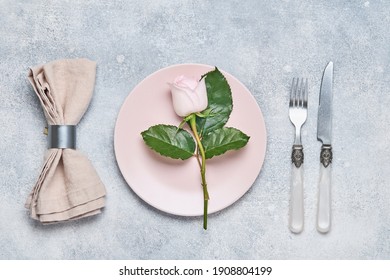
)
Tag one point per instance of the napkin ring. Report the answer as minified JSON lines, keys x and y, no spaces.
{"x":61,"y":137}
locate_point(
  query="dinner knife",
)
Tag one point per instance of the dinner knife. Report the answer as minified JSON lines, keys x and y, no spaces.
{"x":324,"y":134}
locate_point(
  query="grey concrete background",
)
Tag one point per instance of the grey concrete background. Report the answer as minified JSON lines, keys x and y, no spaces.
{"x":264,"y":44}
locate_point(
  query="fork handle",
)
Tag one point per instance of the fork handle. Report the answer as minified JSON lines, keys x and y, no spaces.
{"x":324,"y":190}
{"x":296,"y":200}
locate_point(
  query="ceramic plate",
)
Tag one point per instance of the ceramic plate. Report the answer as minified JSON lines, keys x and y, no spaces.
{"x":173,"y":186}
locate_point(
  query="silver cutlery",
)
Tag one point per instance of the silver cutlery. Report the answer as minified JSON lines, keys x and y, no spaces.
{"x":298,"y":116}
{"x":324,"y":129}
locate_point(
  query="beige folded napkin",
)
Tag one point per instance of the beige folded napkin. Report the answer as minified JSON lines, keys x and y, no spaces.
{"x":68,"y":186}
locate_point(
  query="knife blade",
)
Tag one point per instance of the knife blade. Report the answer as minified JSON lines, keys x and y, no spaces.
{"x":324,"y":134}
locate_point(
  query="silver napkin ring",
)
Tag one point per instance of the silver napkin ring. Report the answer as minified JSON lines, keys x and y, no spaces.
{"x":62,"y":137}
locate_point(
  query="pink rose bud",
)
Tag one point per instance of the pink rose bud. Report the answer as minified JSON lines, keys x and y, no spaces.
{"x":188,"y":96}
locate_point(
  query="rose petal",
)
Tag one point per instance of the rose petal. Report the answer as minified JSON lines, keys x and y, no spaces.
{"x":185,"y":82}
{"x":188,"y":96}
{"x":182,"y":101}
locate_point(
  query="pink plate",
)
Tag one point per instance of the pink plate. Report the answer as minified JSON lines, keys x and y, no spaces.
{"x":173,"y":186}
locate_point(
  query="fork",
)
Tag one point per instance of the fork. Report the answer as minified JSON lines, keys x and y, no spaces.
{"x":298,"y":116}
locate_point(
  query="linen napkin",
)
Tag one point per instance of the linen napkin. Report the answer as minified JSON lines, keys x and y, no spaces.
{"x":68,"y":186}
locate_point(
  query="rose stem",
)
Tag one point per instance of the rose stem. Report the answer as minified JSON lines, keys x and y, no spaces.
{"x":202,"y":169}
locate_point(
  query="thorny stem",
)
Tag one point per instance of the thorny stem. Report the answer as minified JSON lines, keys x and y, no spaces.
{"x":202,"y":168}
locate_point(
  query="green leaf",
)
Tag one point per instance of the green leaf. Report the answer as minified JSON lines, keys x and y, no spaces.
{"x":220,"y":102}
{"x":222,"y":140}
{"x":170,"y":141}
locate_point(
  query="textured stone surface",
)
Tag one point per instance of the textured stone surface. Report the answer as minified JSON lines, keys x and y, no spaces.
{"x":264,"y":44}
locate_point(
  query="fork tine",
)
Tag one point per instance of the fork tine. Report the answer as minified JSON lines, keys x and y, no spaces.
{"x":292,"y":93}
{"x":296,"y":93}
{"x":302,"y":93}
{"x":306,"y":94}
{"x":299,"y":93}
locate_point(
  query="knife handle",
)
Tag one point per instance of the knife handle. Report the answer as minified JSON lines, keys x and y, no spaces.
{"x":324,"y":190}
{"x":296,"y":216}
